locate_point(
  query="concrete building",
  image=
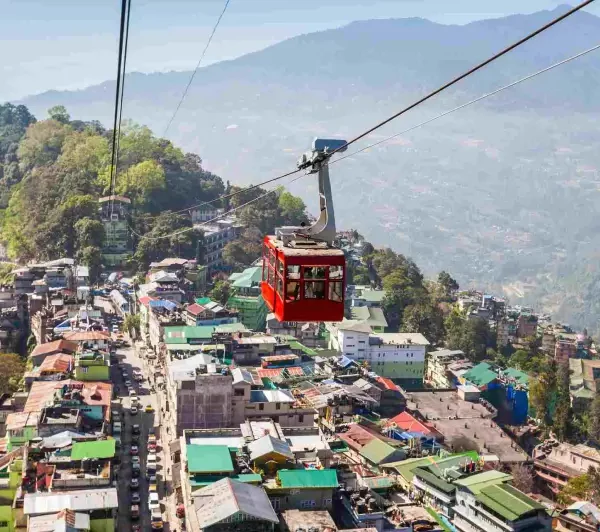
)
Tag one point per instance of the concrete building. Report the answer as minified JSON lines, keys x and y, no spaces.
{"x":579,"y":517}
{"x":246,"y":298}
{"x":556,"y":463}
{"x":486,"y":502}
{"x":114,"y":213}
{"x":438,"y":373}
{"x":216,"y":236}
{"x":302,"y":489}
{"x":584,"y":382}
{"x":205,"y":213}
{"x":207,"y":312}
{"x":398,"y":356}
{"x":372,"y":316}
{"x":92,"y":366}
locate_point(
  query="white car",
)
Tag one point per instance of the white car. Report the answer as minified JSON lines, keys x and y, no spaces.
{"x":152,"y":459}
{"x":153,"y":501}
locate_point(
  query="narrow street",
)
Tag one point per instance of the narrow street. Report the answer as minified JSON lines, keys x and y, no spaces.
{"x":146,"y":422}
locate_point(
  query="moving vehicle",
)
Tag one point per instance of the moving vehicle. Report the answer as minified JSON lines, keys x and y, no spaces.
{"x":303,"y":272}
{"x":135,"y":497}
{"x":149,"y":409}
{"x":133,"y":410}
{"x":135,"y":511}
{"x":134,"y":450}
{"x":135,"y":429}
{"x":135,"y":483}
{"x":151,"y":476}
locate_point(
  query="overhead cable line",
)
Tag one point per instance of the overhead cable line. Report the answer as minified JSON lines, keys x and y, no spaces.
{"x":466,"y":74}
{"x":122,"y":94}
{"x":124,"y":11}
{"x":212,"y":220}
{"x":482,"y":97}
{"x":189,"y":83}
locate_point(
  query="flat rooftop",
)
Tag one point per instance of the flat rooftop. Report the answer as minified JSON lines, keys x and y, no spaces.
{"x":432,"y":405}
{"x":482,"y":435}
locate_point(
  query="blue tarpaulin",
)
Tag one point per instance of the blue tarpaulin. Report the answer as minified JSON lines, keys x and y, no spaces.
{"x":163,"y":303}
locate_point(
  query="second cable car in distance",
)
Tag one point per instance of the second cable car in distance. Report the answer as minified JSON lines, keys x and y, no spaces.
{"x":303,"y":273}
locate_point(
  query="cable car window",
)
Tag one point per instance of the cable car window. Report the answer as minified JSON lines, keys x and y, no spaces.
{"x":336,"y":291}
{"x":292,"y":291}
{"x":279,"y":267}
{"x":271,"y":278}
{"x":264,"y":271}
{"x":314,"y":272}
{"x":272,"y":257}
{"x":314,"y":289}
{"x":293,"y":272}
{"x":336,"y":272}
{"x":280,"y":286}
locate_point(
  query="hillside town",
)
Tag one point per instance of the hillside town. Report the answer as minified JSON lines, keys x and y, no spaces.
{"x":161,"y":403}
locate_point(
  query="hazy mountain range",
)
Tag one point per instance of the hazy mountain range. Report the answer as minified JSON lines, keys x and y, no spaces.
{"x":503,"y":194}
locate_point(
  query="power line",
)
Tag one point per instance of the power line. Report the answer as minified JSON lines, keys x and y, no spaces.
{"x":124,"y":9}
{"x":208,"y":222}
{"x":466,"y":74}
{"x":189,"y":84}
{"x":482,"y":97}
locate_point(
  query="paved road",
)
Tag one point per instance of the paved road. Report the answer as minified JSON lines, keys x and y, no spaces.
{"x":128,"y":362}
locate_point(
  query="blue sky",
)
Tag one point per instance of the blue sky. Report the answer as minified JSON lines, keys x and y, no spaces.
{"x":69,"y":44}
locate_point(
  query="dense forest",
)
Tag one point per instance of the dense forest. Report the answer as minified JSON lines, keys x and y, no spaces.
{"x":53,"y":171}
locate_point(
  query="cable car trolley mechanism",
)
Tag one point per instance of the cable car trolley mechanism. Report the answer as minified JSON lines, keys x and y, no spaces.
{"x":303,"y":273}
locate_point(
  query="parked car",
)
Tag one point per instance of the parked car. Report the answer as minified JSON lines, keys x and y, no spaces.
{"x":135,"y":497}
{"x":154,"y":501}
{"x":135,"y":483}
{"x":149,"y":409}
{"x":136,"y":528}
{"x":135,"y":511}
{"x":135,"y":439}
{"x":129,"y":384}
{"x":135,"y":472}
{"x":151,"y":447}
{"x":151,"y":476}
{"x":133,"y":410}
{"x":135,"y":459}
{"x":135,"y":450}
{"x":135,"y":429}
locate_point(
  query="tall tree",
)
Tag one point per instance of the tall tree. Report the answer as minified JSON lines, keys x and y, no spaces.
{"x":595,"y":419}
{"x":12,"y":369}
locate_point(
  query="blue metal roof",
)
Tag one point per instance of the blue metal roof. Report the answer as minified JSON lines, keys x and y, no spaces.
{"x":163,"y":303}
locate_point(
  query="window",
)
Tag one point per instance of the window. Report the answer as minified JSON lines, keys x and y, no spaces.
{"x":314,"y":272}
{"x":3,"y":524}
{"x":300,"y":418}
{"x":85,"y":370}
{"x":280,"y":286}
{"x":336,"y":291}
{"x":261,"y":406}
{"x":293,"y":272}
{"x":277,"y":406}
{"x":292,"y":291}
{"x":308,"y":504}
{"x":336,"y":272}
{"x":238,"y":392}
{"x":314,"y":289}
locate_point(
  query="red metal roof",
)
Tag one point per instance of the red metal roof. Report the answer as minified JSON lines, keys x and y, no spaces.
{"x":356,"y":437}
{"x":145,"y":300}
{"x":195,"y":309}
{"x":387,"y":384}
{"x":408,"y":423}
{"x":276,"y":372}
{"x":54,"y":347}
{"x":60,"y":363}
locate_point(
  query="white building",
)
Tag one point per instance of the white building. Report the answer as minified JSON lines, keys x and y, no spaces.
{"x":216,"y":236}
{"x":394,"y":355}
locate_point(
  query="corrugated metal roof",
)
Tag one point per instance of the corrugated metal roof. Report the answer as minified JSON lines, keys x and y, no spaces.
{"x":273,"y":373}
{"x":181,"y":335}
{"x":271,"y":396}
{"x":481,"y":375}
{"x":86,"y":336}
{"x":163,"y":303}
{"x":507,"y":501}
{"x":379,"y":482}
{"x":376,"y":451}
{"x":226,"y":498}
{"x":209,"y":459}
{"x":241,"y":375}
{"x":195,"y":309}
{"x":93,"y":393}
{"x":268,"y":444}
{"x":51,"y":347}
{"x":308,"y":478}
{"x":93,"y":449}
{"x":60,"y":363}
{"x":408,"y":423}
{"x":81,"y":500}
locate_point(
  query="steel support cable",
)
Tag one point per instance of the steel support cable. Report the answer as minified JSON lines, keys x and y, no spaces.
{"x":212,"y":220}
{"x":462,"y":106}
{"x":189,"y":83}
{"x":117,"y":99}
{"x":467,"y":73}
{"x":122,"y":94}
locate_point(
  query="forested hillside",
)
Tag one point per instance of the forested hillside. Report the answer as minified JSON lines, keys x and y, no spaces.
{"x":53,"y":171}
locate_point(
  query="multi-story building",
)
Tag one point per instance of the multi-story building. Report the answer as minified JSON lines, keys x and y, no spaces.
{"x":584,"y":382}
{"x":438,"y":363}
{"x":527,"y":325}
{"x":556,"y":463}
{"x":205,"y":213}
{"x":564,"y":349}
{"x":207,"y":312}
{"x":114,"y":213}
{"x":92,"y":366}
{"x":486,"y":502}
{"x":394,"y":355}
{"x":372,"y":316}
{"x":246,"y":298}
{"x":579,"y":517}
{"x":216,"y":236}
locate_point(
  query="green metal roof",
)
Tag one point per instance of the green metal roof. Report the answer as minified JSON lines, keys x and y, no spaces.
{"x":205,"y":480}
{"x":508,"y":502}
{"x":182,"y":334}
{"x":248,"y":278}
{"x":479,"y":481}
{"x":372,"y":296}
{"x":481,"y":374}
{"x":209,"y":459}
{"x":93,"y":449}
{"x":429,"y":478}
{"x":521,"y":377}
{"x":405,"y":467}
{"x":231,"y":328}
{"x":203,"y":300}
{"x":376,"y":451}
{"x":294,"y":344}
{"x":378,"y":483}
{"x":308,"y":478}
{"x":372,"y":315}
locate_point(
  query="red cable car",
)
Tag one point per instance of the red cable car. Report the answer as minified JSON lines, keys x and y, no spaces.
{"x":303,"y":273}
